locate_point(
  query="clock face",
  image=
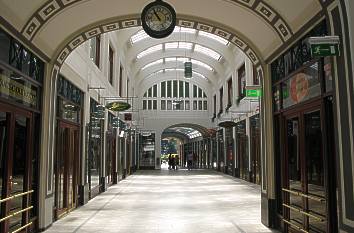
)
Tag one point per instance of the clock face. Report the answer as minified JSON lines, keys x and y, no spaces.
{"x":158,"y":19}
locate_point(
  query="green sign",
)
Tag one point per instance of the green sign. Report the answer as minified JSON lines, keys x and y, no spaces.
{"x":254,"y":93}
{"x":188,"y":69}
{"x":118,"y":106}
{"x":324,"y":50}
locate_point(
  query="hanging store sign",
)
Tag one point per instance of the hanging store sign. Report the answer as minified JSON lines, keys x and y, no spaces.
{"x":188,"y":69}
{"x":18,"y":89}
{"x":118,"y":106}
{"x":324,"y":46}
{"x":254,"y":93}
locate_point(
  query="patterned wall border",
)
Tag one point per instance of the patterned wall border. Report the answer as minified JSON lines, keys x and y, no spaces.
{"x":134,"y":21}
{"x":259,"y":7}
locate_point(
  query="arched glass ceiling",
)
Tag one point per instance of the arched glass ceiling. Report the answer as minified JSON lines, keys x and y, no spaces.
{"x":191,"y":133}
{"x":181,"y":45}
{"x":195,"y":73}
{"x":178,"y":59}
{"x":141,"y":35}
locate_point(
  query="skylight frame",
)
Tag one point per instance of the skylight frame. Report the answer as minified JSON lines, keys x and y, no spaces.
{"x":159,"y":61}
{"x":150,"y":50}
{"x":207,"y":51}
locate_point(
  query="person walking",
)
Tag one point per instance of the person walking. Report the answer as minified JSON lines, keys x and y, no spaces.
{"x":169,"y":162}
{"x":189,"y":161}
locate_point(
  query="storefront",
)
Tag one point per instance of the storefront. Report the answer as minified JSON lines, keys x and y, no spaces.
{"x":229,"y":143}
{"x":67,"y":163}
{"x":255,"y":149}
{"x":111,"y":150}
{"x":147,"y":160}
{"x":303,"y":119}
{"x":95,"y":149}
{"x":242,"y":156}
{"x":220,"y":146}
{"x":21,"y":78}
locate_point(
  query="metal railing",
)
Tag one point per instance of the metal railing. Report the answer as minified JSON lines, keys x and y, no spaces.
{"x":18,"y":212}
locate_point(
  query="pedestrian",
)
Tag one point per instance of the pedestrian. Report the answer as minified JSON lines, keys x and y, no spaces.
{"x":169,"y":161}
{"x":177,"y":161}
{"x":173,"y":162}
{"x":189,"y":161}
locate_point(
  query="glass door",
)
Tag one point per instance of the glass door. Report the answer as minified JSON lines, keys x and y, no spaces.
{"x":315,"y":195}
{"x":66,"y":169}
{"x":15,"y":175}
{"x":304,"y":194}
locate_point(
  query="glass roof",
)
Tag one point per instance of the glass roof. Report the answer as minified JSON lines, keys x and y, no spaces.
{"x":149,"y":51}
{"x":191,"y":133}
{"x":178,"y":59}
{"x":195,"y":73}
{"x":141,"y":35}
{"x":181,"y":45}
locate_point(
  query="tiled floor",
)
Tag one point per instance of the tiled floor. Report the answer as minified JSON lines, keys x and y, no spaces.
{"x":172,"y":202}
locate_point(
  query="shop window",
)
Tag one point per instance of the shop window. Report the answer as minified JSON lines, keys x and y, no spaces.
{"x":150,"y":92}
{"x":120,"y":87}
{"x":205,"y":103}
{"x":241,"y":82}
{"x":4,"y":46}
{"x":95,"y":50}
{"x":111,"y":65}
{"x":149,"y":104}
{"x":154,"y":105}
{"x":257,"y":76}
{"x":229,"y":92}
{"x":214,"y":104}
{"x":221,"y":96}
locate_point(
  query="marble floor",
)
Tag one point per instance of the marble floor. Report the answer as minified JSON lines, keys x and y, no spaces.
{"x":182,"y":201}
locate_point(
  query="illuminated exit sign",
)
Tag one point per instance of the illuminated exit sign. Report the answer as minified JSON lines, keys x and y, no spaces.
{"x":254,"y":93}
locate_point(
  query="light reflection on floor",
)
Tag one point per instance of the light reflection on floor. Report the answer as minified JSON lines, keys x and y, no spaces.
{"x":180,"y":201}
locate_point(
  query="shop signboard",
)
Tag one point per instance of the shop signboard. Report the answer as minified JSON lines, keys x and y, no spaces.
{"x":118,"y":106}
{"x":18,"y":89}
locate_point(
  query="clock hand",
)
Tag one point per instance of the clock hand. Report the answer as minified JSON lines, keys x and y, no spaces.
{"x":158,"y":17}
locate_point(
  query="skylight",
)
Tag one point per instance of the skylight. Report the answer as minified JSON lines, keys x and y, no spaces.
{"x":184,"y":30}
{"x":209,"y":52}
{"x":140,"y":35}
{"x":178,"y":45}
{"x":160,"y":61}
{"x":214,"y":37}
{"x":149,"y":50}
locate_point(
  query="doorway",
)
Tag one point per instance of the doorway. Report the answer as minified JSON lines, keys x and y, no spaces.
{"x":66,"y":168}
{"x":16,"y":146}
{"x":304,"y":186}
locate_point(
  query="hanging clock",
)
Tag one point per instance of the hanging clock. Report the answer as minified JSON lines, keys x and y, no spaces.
{"x":158,"y":19}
